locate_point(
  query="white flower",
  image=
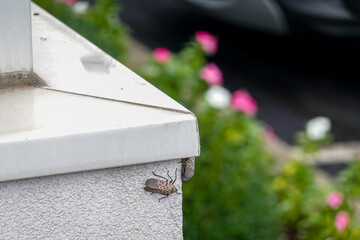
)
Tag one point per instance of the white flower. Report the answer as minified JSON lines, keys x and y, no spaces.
{"x":80,"y":7}
{"x":317,"y":128}
{"x":218,"y":97}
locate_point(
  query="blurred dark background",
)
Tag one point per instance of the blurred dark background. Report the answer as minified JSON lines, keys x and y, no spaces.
{"x":310,"y":70}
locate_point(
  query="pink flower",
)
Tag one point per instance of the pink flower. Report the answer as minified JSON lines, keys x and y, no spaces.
{"x":70,"y":2}
{"x":342,"y":219}
{"x":162,"y":55}
{"x":207,"y":41}
{"x":242,"y":101}
{"x":211,"y":74}
{"x":334,"y":200}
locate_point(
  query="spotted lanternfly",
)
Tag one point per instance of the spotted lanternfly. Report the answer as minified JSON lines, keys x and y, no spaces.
{"x":160,"y":186}
{"x":188,"y":168}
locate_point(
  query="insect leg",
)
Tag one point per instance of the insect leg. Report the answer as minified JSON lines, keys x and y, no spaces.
{"x":175,"y":176}
{"x":160,"y":176}
{"x":171,"y":180}
{"x":163,"y":197}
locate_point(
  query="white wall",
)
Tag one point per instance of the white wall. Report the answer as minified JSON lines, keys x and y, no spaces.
{"x":102,"y":204}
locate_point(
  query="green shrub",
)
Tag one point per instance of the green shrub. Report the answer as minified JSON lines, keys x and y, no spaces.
{"x":230,"y":196}
{"x":349,"y":179}
{"x":306,"y":209}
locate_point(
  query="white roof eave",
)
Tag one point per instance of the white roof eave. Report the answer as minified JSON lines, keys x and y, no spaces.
{"x":92,"y":113}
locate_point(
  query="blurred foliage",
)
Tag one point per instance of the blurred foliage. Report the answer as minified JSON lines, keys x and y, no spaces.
{"x":230,"y":196}
{"x":100,"y":24}
{"x":349,"y":179}
{"x":235,"y":193}
{"x":303,"y":201}
{"x":305,"y":213}
{"x":179,"y":77}
{"x":312,"y":146}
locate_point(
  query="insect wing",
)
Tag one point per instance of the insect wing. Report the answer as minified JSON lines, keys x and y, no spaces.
{"x":157,"y":186}
{"x":188,"y":173}
{"x":152,"y":183}
{"x":189,"y":169}
{"x":151,"y":186}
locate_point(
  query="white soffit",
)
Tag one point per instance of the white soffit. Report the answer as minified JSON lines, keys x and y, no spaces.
{"x":15,"y":47}
{"x":94,"y":113}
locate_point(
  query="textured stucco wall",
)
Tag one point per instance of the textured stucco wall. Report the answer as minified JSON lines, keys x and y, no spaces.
{"x":103,"y":204}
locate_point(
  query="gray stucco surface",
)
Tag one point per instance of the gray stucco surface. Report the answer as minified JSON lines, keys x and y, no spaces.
{"x":103,"y":204}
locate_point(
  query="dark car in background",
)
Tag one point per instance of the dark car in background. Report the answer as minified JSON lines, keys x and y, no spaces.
{"x":330,"y":17}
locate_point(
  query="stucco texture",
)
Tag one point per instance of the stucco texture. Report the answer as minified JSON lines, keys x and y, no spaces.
{"x":102,"y":204}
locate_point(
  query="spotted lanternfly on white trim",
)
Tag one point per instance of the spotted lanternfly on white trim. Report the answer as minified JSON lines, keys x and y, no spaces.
{"x":188,"y":168}
{"x":160,"y":186}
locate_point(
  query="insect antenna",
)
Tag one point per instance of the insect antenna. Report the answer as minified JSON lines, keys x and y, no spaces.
{"x":171,"y":180}
{"x":175,"y":176}
{"x":160,"y":176}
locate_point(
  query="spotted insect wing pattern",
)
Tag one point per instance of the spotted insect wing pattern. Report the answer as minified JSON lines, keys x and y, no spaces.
{"x":159,"y":186}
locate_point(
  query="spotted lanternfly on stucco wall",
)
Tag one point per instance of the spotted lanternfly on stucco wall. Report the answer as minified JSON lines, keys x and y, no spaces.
{"x":160,"y":186}
{"x":188,"y":168}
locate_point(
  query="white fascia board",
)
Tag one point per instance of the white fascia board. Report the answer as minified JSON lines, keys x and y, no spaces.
{"x":15,"y":36}
{"x":86,"y":117}
{"x":44,"y":132}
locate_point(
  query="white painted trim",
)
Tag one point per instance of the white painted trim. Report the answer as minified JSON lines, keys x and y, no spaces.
{"x":98,"y":150}
{"x":15,"y":36}
{"x":86,"y":117}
